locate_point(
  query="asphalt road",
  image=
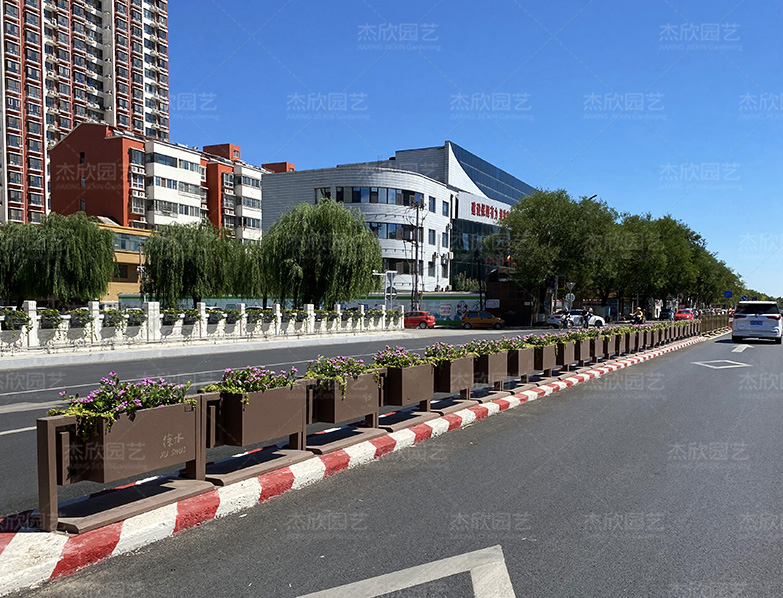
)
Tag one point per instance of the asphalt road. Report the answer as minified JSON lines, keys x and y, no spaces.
{"x":26,"y":394}
{"x":660,"y":480}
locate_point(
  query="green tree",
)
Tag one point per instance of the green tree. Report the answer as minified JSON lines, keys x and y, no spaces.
{"x":67,"y":258}
{"x":320,"y":254}
{"x":189,"y":261}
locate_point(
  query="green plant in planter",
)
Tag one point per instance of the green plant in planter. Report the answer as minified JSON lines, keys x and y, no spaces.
{"x":115,"y":398}
{"x":337,"y":368}
{"x":15,"y":319}
{"x":440,"y":352}
{"x":513,"y":343}
{"x":260,"y":315}
{"x":485,"y":346}
{"x":326,"y":314}
{"x":580,"y":335}
{"x":215,"y":315}
{"x":191,"y":316}
{"x":397,"y":357}
{"x":295,"y":315}
{"x":393,"y":316}
{"x":373,"y":313}
{"x":113,"y":318}
{"x":548,"y":338}
{"x":251,"y":379}
{"x":232,"y":315}
{"x":50,"y":318}
{"x":80,"y":318}
{"x":170,"y":315}
{"x":352,"y":314}
{"x":136,"y":317}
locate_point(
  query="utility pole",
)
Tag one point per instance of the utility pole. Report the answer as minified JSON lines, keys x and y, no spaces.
{"x":417,"y":205}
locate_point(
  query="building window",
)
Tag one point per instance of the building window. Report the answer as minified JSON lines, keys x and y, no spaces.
{"x":82,"y":202}
{"x":136,"y":157}
{"x":432,"y":204}
{"x":432,"y":236}
{"x":431,"y":269}
{"x":81,"y":157}
{"x":445,"y":240}
{"x":445,"y":209}
{"x":322,"y":193}
{"x":83,"y":183}
{"x":445,"y":271}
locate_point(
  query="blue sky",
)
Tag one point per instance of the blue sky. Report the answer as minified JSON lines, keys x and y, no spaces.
{"x":659,"y":106}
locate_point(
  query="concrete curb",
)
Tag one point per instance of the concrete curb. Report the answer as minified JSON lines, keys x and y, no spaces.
{"x":13,"y":362}
{"x":30,"y":557}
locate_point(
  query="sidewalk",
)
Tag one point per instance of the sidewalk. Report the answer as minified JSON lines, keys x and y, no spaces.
{"x":94,"y":355}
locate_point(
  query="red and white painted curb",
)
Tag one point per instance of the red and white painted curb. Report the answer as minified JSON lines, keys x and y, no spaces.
{"x":29,"y":557}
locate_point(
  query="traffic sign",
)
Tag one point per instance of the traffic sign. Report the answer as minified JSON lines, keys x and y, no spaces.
{"x":391,"y":293}
{"x":570,"y":297}
{"x":744,"y":298}
{"x":727,"y":294}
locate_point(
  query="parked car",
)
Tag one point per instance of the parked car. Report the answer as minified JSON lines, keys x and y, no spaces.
{"x":481,"y":319}
{"x":684,"y":314}
{"x":757,"y":319}
{"x":556,"y":316}
{"x":577,"y":317}
{"x":667,"y":313}
{"x":419,"y":319}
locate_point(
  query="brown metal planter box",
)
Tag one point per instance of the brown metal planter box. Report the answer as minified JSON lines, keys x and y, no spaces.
{"x":606,"y":347}
{"x":546,"y":358}
{"x":406,"y":386}
{"x":453,"y":376}
{"x":633,"y":341}
{"x":521,"y":362}
{"x":619,"y":344}
{"x":644,"y":339}
{"x":331,"y":405}
{"x":266,"y":415}
{"x":155,"y":438}
{"x":582,"y":351}
{"x":565,"y":354}
{"x":488,"y":369}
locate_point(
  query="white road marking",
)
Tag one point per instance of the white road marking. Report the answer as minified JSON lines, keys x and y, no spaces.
{"x":487,"y":570}
{"x":740,"y":348}
{"x":726,"y":364}
{"x":19,"y":407}
{"x":7,"y":432}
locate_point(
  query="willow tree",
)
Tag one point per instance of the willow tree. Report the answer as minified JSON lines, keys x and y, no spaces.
{"x":68,"y":258}
{"x":320,"y":254}
{"x":185,"y":261}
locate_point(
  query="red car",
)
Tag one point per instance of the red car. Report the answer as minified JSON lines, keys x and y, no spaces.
{"x":419,"y":319}
{"x":684,"y":314}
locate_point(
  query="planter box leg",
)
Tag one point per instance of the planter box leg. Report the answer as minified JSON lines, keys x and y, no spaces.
{"x":525,"y":378}
{"x":464,"y":393}
{"x":371,"y":420}
{"x":197,"y":468}
{"x":47,"y":476}
{"x":296,"y":442}
{"x":546,"y":373}
{"x":424,"y":406}
{"x":498,"y":385}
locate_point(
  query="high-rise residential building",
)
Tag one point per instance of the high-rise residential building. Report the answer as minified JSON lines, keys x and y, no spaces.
{"x":67,"y":62}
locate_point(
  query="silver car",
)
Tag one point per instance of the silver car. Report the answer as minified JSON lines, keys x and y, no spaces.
{"x":757,"y":319}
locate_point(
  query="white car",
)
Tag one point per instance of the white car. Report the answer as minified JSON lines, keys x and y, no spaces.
{"x":577,"y":318}
{"x":757,"y":319}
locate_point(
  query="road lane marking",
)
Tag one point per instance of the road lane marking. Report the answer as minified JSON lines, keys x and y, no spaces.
{"x":722,"y":364}
{"x":8,"y":432}
{"x":19,"y":407}
{"x":741,"y":348}
{"x":487,"y":569}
